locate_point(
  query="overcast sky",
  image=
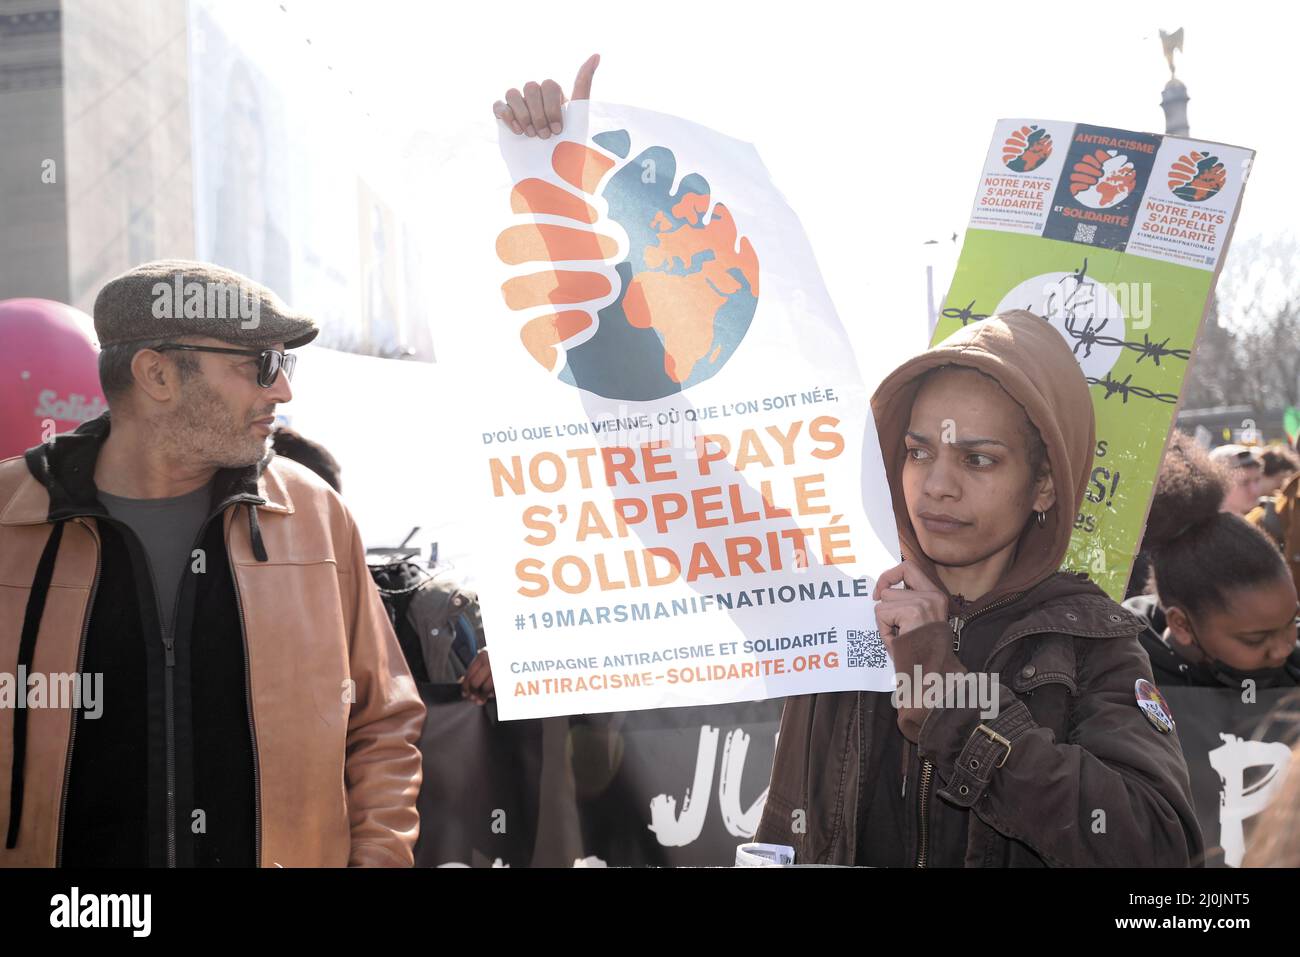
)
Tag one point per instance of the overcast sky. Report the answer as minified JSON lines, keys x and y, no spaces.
{"x":872,"y":120}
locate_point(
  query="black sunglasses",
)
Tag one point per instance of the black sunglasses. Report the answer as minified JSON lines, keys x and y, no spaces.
{"x":270,"y":362}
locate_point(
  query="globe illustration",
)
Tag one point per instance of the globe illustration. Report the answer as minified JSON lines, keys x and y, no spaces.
{"x":684,"y":294}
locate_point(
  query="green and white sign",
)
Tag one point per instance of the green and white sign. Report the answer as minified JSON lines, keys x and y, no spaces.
{"x":1115,"y":238}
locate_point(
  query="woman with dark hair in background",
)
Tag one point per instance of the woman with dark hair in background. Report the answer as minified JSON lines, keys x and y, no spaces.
{"x":1221,"y":607}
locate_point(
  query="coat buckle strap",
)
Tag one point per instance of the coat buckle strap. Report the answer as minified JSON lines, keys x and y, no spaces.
{"x":985,"y":751}
{"x":998,"y":739}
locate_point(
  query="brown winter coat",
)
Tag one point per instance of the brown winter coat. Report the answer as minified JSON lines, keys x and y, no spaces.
{"x":1083,"y":778}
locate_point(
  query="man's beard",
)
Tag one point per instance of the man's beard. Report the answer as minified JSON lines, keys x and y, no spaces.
{"x":204,"y":430}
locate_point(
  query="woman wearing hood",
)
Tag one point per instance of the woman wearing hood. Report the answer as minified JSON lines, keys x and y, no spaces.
{"x":1220,"y":608}
{"x":988,"y":442}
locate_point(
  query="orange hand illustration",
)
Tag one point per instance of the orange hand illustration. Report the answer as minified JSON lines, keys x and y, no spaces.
{"x":1197,"y":176}
{"x":681,"y":274}
{"x":1111,"y":176}
{"x":586,"y":282}
{"x":1026,"y":149}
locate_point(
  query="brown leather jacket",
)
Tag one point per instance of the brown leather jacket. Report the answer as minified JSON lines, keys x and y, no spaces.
{"x":1070,"y":772}
{"x":337,"y":782}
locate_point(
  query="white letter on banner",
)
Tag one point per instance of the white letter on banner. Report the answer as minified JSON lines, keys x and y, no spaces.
{"x":674,"y":831}
{"x":1230,"y":761}
{"x":739,"y":823}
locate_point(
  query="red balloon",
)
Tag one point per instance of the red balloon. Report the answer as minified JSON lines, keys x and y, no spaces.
{"x":49,"y":373}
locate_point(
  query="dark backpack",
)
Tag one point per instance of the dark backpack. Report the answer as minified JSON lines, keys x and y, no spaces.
{"x":438,"y":623}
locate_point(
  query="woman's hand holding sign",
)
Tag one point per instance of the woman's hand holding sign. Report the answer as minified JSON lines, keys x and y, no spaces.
{"x":599,"y":237}
{"x":918,"y":602}
{"x":537,"y":110}
{"x":906,"y":618}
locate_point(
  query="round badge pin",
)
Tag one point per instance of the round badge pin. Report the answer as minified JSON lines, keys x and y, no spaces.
{"x":1154,"y":706}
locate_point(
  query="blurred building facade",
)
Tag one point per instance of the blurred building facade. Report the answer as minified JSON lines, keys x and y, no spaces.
{"x":95,"y":165}
{"x":147,"y":129}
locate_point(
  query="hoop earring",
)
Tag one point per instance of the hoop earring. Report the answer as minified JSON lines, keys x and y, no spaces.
{"x":1040,"y":518}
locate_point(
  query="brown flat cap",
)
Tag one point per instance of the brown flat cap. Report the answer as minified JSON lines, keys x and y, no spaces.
{"x":177,"y":297}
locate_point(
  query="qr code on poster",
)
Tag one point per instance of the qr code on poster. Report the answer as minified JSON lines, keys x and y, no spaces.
{"x":866,"y":650}
{"x":1085,"y":233}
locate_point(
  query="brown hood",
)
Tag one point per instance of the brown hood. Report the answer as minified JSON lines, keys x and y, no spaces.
{"x":1033,"y":363}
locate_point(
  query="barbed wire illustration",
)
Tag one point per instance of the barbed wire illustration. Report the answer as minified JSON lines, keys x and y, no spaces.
{"x":966,"y":314}
{"x":1090,"y":335}
{"x":1068,"y":304}
{"x":1124,"y":389}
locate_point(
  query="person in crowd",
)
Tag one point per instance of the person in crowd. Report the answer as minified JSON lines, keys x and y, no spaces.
{"x":1280,"y":465}
{"x":290,"y":444}
{"x":1244,"y":473}
{"x":1221,"y":606}
{"x":988,"y":442}
{"x":256,"y":708}
{"x":476,"y":683}
{"x":1224,"y":459}
{"x":1277,"y":512}
{"x":1279,"y":518}
{"x":1273,"y":465}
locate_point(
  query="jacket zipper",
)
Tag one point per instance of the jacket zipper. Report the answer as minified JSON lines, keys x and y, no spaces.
{"x":169,"y":712}
{"x":957,"y":623}
{"x":252,"y":730}
{"x":923,"y":797}
{"x":169,"y":709}
{"x":81,"y":658}
{"x":169,"y":692}
{"x":169,"y":724}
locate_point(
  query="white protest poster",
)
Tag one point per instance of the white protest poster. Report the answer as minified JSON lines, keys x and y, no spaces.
{"x":675,"y":480}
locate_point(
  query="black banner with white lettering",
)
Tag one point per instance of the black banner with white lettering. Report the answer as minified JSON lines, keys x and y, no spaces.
{"x":684,"y":787}
{"x":679,"y":787}
{"x":1238,"y":748}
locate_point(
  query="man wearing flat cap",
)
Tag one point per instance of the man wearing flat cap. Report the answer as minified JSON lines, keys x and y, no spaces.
{"x":241,"y":699}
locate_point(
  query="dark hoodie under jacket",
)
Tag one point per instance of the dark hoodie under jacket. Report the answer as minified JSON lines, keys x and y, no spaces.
{"x":122,"y":768}
{"x":1069,"y":772}
{"x":1172,"y":668}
